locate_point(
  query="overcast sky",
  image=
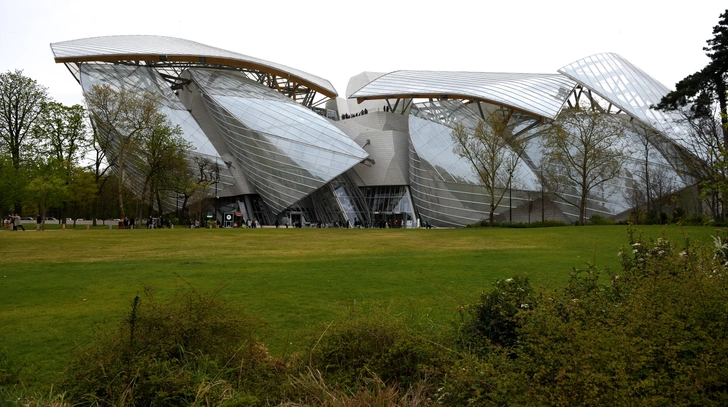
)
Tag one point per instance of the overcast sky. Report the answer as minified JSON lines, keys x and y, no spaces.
{"x":337,"y":40}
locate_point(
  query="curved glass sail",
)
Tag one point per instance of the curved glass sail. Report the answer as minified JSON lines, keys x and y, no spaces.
{"x":445,"y":188}
{"x":170,"y":49}
{"x":629,"y":88}
{"x":286,"y":150}
{"x":541,"y":95}
{"x":143,"y":79}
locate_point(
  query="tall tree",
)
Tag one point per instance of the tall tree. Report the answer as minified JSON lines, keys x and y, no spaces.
{"x":12,"y":185}
{"x":581,"y":152}
{"x":699,"y":92}
{"x":493,"y":154}
{"x":22,"y":102}
{"x":63,"y":135}
{"x":124,"y":118}
{"x":702,"y":100}
{"x":99,"y":166}
{"x":63,"y":129}
{"x":163,"y":152}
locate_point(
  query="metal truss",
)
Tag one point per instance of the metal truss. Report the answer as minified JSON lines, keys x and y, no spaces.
{"x":171,"y":72}
{"x":584,"y":97}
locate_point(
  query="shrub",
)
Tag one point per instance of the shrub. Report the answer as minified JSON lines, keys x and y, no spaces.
{"x":493,"y":319}
{"x":601,"y":220}
{"x":519,"y":225}
{"x":654,"y":333}
{"x":380,"y":348}
{"x":191,"y":349}
{"x":651,"y":334}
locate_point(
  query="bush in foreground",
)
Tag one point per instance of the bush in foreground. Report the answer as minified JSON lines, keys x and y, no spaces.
{"x":193,"y":350}
{"x":375,"y":352}
{"x":652,"y":334}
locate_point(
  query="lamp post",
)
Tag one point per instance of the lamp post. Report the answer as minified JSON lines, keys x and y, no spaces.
{"x":510,"y":202}
{"x":216,"y":174}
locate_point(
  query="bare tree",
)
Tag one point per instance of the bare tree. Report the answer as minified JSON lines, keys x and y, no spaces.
{"x":582,"y":151}
{"x":493,"y":154}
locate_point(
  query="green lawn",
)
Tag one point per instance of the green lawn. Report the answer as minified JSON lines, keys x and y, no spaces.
{"x":57,"y":286}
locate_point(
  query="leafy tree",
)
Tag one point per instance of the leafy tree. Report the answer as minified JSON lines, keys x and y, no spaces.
{"x":163,"y":154}
{"x":63,"y":135}
{"x":82,"y":191}
{"x":699,"y":92}
{"x":12,"y":184}
{"x":702,"y":99}
{"x":581,"y":152}
{"x":22,"y":102}
{"x":64,"y":132}
{"x":48,"y":186}
{"x":124,"y":119}
{"x":493,"y":154}
{"x":705,"y":141}
{"x":194,"y":186}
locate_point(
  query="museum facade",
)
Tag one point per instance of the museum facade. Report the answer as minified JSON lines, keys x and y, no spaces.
{"x":286,"y":148}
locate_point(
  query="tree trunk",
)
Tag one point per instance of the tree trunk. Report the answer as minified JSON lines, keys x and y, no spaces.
{"x":159,"y":203}
{"x":121,"y":192}
{"x":720,"y":87}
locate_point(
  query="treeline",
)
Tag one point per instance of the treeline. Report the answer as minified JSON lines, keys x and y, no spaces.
{"x":652,"y":333}
{"x":75,"y":161}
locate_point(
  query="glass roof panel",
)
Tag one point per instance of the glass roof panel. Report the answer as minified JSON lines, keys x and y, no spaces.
{"x":627,"y":87}
{"x":542,"y":95}
{"x":166,"y":46}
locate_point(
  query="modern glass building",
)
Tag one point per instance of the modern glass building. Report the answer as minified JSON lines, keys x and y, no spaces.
{"x":285,"y":149}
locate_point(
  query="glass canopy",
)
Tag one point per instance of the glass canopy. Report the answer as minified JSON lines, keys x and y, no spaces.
{"x":540,"y":95}
{"x":629,"y":88}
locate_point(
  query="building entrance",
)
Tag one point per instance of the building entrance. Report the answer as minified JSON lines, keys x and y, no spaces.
{"x":389,"y":219}
{"x":296,"y":219}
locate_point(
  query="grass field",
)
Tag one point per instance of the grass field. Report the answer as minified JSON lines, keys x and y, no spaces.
{"x":57,"y":286}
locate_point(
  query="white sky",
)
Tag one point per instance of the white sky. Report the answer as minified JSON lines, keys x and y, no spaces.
{"x":339,"y":39}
